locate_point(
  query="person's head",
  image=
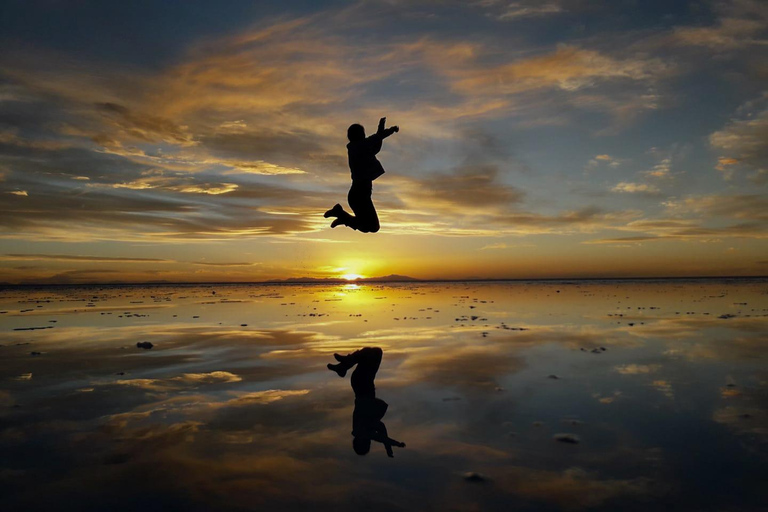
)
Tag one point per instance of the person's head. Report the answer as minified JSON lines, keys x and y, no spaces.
{"x":355,"y":132}
{"x":361,"y":445}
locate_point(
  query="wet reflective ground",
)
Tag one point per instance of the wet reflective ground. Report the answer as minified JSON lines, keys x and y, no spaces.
{"x":524,"y":396}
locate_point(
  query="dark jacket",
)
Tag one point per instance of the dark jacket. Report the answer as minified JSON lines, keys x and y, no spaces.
{"x":363,"y":164}
{"x":366,"y":418}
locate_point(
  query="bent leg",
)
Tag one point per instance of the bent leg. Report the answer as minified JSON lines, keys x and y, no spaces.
{"x":366,"y":219}
{"x":367,"y":357}
{"x":368,"y":360}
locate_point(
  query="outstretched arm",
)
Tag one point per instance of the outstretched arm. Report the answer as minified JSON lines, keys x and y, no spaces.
{"x":381,"y":436}
{"x":389,"y":131}
{"x":386,"y":132}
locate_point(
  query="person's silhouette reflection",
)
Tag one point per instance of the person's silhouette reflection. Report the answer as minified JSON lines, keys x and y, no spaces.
{"x":369,"y":410}
{"x":365,"y":168}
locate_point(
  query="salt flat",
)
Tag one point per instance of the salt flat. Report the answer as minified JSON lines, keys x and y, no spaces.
{"x":568,"y":395}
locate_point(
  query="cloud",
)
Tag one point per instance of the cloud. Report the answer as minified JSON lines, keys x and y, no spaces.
{"x":151,"y":204}
{"x":701,"y":218}
{"x":568,"y":68}
{"x":515,"y":11}
{"x":439,"y":204}
{"x":260,"y":167}
{"x":11,"y":138}
{"x":740,"y":24}
{"x":603,"y":160}
{"x":464,"y":187}
{"x":723,"y":162}
{"x":694,"y":233}
{"x":728,"y":34}
{"x":635,"y":188}
{"x":251,"y":152}
{"x":67,"y":257}
{"x":745,"y":142}
{"x":145,"y":127}
{"x":747,"y":207}
{"x":224,"y":264}
{"x":660,"y":170}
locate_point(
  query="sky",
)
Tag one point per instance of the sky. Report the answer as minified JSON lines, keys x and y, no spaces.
{"x":200,"y":142}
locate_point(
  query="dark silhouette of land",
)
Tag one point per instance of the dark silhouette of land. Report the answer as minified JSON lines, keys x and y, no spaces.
{"x":369,"y":410}
{"x":392,"y":278}
{"x":365,"y":168}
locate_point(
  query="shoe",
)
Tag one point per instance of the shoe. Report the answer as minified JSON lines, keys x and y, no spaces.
{"x":338,"y":368}
{"x":336,"y":211}
{"x":345,"y":360}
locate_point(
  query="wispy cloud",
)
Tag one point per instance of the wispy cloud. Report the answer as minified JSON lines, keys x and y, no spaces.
{"x":635,"y":188}
{"x":740,"y":24}
{"x":744,"y":143}
{"x":67,"y":257}
{"x":516,"y":10}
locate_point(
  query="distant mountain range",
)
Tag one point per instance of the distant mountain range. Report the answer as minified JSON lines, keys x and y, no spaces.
{"x":392,"y":278}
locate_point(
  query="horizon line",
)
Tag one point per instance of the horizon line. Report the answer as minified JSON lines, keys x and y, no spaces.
{"x":378,"y":280}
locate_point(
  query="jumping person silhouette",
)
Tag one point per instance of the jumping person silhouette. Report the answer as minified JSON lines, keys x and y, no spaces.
{"x":369,"y":410}
{"x":365,"y":168}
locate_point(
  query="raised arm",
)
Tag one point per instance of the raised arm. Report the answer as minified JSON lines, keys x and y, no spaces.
{"x":389,"y":131}
{"x":386,"y":132}
{"x":381,"y":436}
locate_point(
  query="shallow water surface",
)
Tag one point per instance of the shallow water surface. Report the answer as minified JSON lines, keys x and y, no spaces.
{"x":611,"y":395}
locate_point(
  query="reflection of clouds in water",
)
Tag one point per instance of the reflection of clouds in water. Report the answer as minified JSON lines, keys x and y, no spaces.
{"x":727,"y":392}
{"x":265,"y":397}
{"x":635,"y":369}
{"x":180,"y":381}
{"x":745,"y":410}
{"x":203,"y":405}
{"x":744,"y":419}
{"x":268,"y":465}
{"x":108,"y":352}
{"x":709,"y":338}
{"x":742,"y":348}
{"x":572,"y":489}
{"x":6,"y":399}
{"x":463,"y":366}
{"x":172,"y":336}
{"x":219,"y":467}
{"x":607,"y":399}
{"x":665,"y":387}
{"x":235,"y":417}
{"x":683,"y":327}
